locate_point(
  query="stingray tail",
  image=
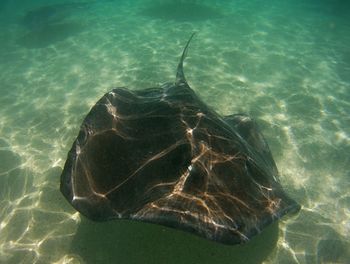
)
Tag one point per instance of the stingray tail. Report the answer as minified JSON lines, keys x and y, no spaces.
{"x":180,"y":76}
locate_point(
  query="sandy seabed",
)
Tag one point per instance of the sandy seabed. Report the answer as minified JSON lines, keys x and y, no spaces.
{"x":286,"y":64}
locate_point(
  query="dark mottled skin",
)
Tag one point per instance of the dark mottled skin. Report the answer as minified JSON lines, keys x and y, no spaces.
{"x":161,"y":155}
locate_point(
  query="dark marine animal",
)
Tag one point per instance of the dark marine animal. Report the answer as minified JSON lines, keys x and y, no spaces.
{"x":49,"y":15}
{"x":161,"y":155}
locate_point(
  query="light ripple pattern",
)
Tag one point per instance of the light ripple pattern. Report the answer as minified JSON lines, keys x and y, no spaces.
{"x":285,"y":63}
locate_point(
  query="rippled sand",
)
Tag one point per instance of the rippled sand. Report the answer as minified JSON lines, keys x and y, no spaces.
{"x":286,"y":64}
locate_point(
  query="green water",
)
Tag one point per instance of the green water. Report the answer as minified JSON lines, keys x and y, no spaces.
{"x":286,"y":63}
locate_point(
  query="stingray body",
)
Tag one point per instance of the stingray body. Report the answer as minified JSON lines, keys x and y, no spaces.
{"x":161,"y":155}
{"x":48,"y":15}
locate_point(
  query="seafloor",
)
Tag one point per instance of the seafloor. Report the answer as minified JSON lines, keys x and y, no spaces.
{"x":286,"y":63}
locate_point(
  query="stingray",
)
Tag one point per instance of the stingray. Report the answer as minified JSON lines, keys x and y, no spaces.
{"x":161,"y":155}
{"x":45,"y":16}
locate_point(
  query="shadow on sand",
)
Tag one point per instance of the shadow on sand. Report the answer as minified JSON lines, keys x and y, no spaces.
{"x":49,"y":34}
{"x":127,"y":242}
